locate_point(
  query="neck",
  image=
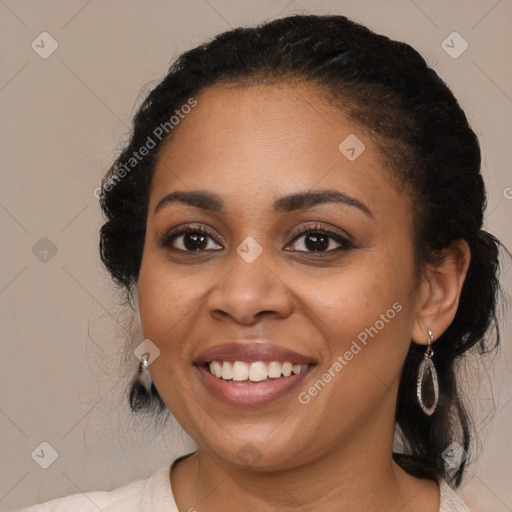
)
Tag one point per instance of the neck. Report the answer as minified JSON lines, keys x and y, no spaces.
{"x":315,"y":486}
{"x":359,"y":475}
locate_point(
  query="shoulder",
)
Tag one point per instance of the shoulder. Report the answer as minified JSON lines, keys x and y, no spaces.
{"x":154,"y":492}
{"x":450,"y":501}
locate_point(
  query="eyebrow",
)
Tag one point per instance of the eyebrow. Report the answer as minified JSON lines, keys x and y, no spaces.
{"x":298,"y":201}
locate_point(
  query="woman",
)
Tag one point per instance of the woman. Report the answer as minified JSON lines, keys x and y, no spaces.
{"x":298,"y":216}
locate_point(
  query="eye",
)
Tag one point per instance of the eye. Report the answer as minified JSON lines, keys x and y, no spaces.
{"x":190,"y":239}
{"x":318,"y":239}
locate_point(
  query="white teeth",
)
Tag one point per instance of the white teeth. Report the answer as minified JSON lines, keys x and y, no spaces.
{"x":287,"y":369}
{"x":227,"y":370}
{"x":240,"y":371}
{"x":217,"y":368}
{"x":274,"y":369}
{"x":256,"y":371}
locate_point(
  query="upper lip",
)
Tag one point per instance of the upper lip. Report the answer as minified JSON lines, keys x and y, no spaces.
{"x":251,"y":352}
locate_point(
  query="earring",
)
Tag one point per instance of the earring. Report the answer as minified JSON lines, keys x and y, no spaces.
{"x":427,"y":383}
{"x":140,"y":392}
{"x":144,"y":375}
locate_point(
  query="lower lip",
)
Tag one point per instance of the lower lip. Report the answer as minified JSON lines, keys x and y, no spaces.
{"x":246,"y":393}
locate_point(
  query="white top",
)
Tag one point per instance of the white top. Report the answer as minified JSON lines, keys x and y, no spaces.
{"x":154,"y":494}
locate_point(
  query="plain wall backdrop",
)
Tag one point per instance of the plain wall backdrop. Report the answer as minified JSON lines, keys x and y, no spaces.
{"x":65,"y":361}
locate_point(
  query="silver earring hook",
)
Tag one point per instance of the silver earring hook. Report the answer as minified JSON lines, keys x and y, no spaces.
{"x":429,"y":352}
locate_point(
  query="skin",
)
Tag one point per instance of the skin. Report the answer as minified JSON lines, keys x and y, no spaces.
{"x":251,"y":146}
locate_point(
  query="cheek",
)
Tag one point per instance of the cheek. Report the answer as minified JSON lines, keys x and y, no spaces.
{"x":366,"y":317}
{"x":173,"y":307}
{"x":351,"y":301}
{"x":165,"y":299}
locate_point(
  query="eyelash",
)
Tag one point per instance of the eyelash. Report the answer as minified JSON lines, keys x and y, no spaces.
{"x":184,"y":230}
{"x":344,"y":243}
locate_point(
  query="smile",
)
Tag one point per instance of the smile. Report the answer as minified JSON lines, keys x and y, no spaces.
{"x":255,"y":371}
{"x":251,"y":373}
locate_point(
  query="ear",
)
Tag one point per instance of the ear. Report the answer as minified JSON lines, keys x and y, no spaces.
{"x":440,"y":291}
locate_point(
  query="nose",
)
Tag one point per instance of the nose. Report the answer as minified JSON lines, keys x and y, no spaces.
{"x":249,"y":292}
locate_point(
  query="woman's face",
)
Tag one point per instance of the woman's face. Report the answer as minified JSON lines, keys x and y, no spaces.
{"x":274,"y":236}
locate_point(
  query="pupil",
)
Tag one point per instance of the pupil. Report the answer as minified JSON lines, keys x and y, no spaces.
{"x":317,"y":242}
{"x":195,"y":241}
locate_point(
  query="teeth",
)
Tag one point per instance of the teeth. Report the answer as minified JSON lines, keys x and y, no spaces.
{"x":274,"y":369}
{"x":287,"y":369}
{"x":255,"y":371}
{"x":227,"y":370}
{"x":217,"y":368}
{"x":296,"y":368}
{"x":240,"y":371}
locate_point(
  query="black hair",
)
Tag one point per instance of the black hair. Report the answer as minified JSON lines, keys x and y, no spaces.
{"x":426,"y":141}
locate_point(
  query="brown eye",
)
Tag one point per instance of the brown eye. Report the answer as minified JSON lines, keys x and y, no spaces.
{"x":190,"y":240}
{"x":315,"y":242}
{"x":319,"y":240}
{"x":195,"y":242}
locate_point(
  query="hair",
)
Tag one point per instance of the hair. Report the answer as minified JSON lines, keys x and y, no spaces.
{"x":388,"y":89}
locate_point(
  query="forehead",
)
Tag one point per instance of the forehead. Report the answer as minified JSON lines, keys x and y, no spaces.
{"x":263,"y":141}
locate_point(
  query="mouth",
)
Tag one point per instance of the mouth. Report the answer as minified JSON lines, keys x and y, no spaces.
{"x":252,"y":374}
{"x":256,"y":371}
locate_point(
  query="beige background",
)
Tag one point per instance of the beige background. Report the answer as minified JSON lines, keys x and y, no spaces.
{"x":62,"y":373}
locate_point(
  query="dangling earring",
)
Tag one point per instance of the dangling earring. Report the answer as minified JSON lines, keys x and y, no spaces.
{"x":144,"y":375}
{"x":140,"y":392}
{"x":427,"y":372}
